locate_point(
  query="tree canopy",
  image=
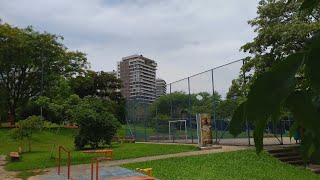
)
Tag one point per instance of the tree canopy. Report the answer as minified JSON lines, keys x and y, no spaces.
{"x":282,"y":29}
{"x":97,"y":124}
{"x":25,"y":56}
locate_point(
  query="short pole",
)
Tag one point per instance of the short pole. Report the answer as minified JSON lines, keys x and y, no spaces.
{"x":97,"y":169}
{"x":281,"y":129}
{"x":59,"y":162}
{"x":214,"y":108}
{"x":68,"y":165}
{"x":185,"y":130}
{"x":248,"y":129}
{"x":189,"y":109}
{"x":91,"y":169}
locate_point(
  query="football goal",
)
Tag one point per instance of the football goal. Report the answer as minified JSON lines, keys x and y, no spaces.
{"x":178,"y":130}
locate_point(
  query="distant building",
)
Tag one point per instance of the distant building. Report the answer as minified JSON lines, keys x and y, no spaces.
{"x":113,"y":73}
{"x":118,"y":70}
{"x":138,"y":75}
{"x":161,"y":87}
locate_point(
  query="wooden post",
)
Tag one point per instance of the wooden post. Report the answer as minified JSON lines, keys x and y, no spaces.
{"x":59,"y":162}
{"x":92,"y":169}
{"x":97,"y":169}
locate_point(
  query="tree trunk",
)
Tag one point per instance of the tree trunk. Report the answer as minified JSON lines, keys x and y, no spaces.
{"x":29,"y":139}
{"x":12,"y":113}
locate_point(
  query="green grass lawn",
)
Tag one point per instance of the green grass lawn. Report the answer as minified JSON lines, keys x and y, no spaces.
{"x":43,"y":141}
{"x":245,"y":164}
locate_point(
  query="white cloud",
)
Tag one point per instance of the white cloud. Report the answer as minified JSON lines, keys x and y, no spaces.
{"x":184,"y":36}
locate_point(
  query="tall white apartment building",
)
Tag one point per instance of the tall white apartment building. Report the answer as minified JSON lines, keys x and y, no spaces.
{"x":161,"y":87}
{"x":138,"y":75}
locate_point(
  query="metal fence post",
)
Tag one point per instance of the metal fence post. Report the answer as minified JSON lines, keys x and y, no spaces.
{"x":170,"y":103}
{"x":289,"y":120}
{"x":281,"y":130}
{"x":190,"y":124}
{"x":244,"y":83}
{"x":145,"y":119}
{"x":214,"y":108}
{"x":157,"y":134}
{"x":171,"y":111}
{"x":127,"y":116}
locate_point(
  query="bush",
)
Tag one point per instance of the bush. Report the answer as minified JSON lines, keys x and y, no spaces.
{"x":26,"y":128}
{"x":96,"y":124}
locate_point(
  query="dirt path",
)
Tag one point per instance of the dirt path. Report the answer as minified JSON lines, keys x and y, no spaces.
{"x":6,"y":174}
{"x":78,"y":170}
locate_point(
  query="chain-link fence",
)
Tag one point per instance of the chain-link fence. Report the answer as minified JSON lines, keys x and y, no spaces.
{"x":172,"y":117}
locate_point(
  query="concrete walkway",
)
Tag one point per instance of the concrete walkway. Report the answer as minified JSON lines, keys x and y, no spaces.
{"x":77,"y":171}
{"x":6,"y":174}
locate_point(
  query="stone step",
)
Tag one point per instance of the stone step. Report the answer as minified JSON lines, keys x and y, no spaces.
{"x":317,"y":171}
{"x":278,"y":150}
{"x":314,"y":168}
{"x":290,"y":158}
{"x":285,"y":154}
{"x":295,"y":162}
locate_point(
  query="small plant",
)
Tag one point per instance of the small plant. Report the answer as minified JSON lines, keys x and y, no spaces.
{"x":26,"y":128}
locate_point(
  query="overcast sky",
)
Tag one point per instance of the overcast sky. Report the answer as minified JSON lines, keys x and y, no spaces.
{"x":183,"y":36}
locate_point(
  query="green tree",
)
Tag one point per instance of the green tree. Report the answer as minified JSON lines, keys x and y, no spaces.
{"x":3,"y":108}
{"x":26,"y":55}
{"x":226,"y":108}
{"x":281,"y":30}
{"x":104,"y":86}
{"x":97,"y":125}
{"x":294,"y":83}
{"x":107,"y":86}
{"x":26,"y":129}
{"x":101,"y":84}
{"x":84,"y":85}
{"x":59,"y":103}
{"x":239,"y":87}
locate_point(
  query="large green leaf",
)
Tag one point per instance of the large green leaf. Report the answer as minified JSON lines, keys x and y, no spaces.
{"x":271,"y":88}
{"x":313,"y":63}
{"x":309,"y":4}
{"x":237,"y":120}
{"x":310,"y":146}
{"x":307,"y":116}
{"x":304,"y":112}
{"x":268,"y":92}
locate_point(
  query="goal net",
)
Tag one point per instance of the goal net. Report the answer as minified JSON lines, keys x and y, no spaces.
{"x":178,"y":130}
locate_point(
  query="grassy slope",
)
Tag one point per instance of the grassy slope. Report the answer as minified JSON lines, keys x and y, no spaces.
{"x":230,"y":165}
{"x":42,"y":144}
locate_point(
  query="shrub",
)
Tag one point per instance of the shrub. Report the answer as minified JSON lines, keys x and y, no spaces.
{"x":26,"y":128}
{"x":96,"y":124}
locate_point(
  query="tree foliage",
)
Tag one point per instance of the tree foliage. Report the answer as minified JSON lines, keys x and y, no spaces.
{"x":293,"y":83}
{"x":60,"y":103}
{"x":281,"y":30}
{"x":100,"y":84}
{"x":26,"y":129}
{"x":97,"y":125}
{"x":26,"y":55}
{"x":104,"y":86}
